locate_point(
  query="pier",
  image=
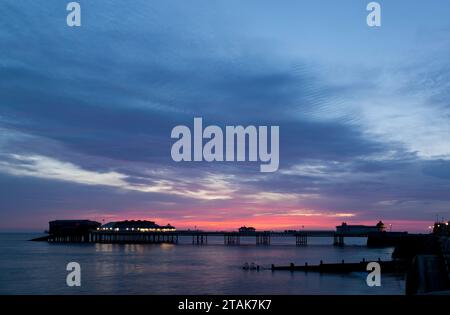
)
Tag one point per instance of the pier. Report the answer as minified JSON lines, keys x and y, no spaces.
{"x":263,"y":238}
{"x":148,"y":232}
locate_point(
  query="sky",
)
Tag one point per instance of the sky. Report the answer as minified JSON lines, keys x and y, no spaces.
{"x":86,"y":113}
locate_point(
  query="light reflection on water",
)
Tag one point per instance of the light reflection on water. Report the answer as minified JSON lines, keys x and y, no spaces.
{"x":39,"y":268}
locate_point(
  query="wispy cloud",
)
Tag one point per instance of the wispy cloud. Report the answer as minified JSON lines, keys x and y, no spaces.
{"x":49,"y":168}
{"x":316,"y":213}
{"x":285,"y":197}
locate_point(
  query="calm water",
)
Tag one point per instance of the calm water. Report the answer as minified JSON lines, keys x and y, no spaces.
{"x":39,"y":268}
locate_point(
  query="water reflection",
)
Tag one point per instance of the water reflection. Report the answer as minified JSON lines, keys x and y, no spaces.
{"x":34,"y":267}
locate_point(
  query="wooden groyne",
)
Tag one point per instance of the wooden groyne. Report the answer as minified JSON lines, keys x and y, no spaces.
{"x":390,"y":266}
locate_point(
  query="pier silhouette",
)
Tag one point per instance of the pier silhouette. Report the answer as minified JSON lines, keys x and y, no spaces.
{"x":148,"y":232}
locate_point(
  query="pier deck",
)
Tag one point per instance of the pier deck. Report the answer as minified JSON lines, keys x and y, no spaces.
{"x":201,"y":237}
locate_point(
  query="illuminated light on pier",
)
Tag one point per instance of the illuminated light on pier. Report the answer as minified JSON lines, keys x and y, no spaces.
{"x":136,"y":226}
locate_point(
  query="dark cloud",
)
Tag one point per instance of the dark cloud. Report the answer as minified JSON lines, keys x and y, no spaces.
{"x":105,"y":98}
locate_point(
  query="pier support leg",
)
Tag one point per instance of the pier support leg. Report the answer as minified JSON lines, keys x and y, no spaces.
{"x":232,"y":239}
{"x":338,"y":240}
{"x":301,"y":239}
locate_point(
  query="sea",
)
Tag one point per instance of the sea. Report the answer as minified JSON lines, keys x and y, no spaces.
{"x":108,"y":269}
